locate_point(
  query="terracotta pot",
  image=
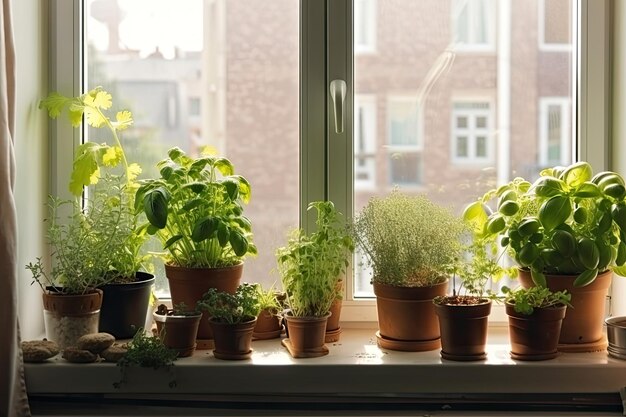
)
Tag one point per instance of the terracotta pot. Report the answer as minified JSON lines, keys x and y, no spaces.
{"x":125,"y":305}
{"x":268,"y":325}
{"x":188,"y":285}
{"x":306,"y":334}
{"x":583,"y":324}
{"x":535,"y":337}
{"x":335,"y":311}
{"x":178,"y":332}
{"x":463,"y":330}
{"x":408,"y":314}
{"x":68,"y":317}
{"x":232,"y":341}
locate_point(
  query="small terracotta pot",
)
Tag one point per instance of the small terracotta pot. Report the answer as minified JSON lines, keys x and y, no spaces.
{"x":583,"y":324}
{"x":178,"y":332}
{"x":408,"y":313}
{"x":268,"y":325}
{"x":335,"y":310}
{"x":535,"y":337}
{"x":463,"y":330}
{"x":188,"y":285}
{"x":306,"y":333}
{"x":232,"y":341}
{"x":68,"y":317}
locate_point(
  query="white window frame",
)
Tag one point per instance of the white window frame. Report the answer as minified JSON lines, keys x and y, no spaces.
{"x":471,"y":45}
{"x":541,"y":30}
{"x":367,"y":104}
{"x":565,"y":141}
{"x":417,"y":148}
{"x":369,"y":15}
{"x":471,"y":132}
{"x":329,"y":24}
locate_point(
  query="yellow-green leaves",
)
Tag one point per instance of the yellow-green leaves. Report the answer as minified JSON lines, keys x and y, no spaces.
{"x":54,"y":104}
{"x":576,"y":174}
{"x":475,"y":216}
{"x":123,"y":119}
{"x":89,"y":156}
{"x":112,"y":156}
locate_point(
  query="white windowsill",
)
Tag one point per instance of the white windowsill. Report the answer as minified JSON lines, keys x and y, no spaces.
{"x":355,"y":366}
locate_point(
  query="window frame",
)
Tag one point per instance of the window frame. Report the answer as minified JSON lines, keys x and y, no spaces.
{"x":326,"y":54}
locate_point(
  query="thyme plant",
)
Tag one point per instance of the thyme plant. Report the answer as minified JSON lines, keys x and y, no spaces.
{"x":409,"y":241}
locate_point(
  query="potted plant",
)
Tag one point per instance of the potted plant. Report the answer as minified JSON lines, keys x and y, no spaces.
{"x":464,"y":315}
{"x":178,"y":327}
{"x":112,"y":181}
{"x":195,"y":208}
{"x":409,"y":243}
{"x":535,"y":318}
{"x":310,"y":267}
{"x":565,"y":231}
{"x":232,"y":320}
{"x":268,"y":324}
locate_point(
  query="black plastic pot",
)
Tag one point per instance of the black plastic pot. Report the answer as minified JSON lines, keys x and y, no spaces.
{"x":124,"y":306}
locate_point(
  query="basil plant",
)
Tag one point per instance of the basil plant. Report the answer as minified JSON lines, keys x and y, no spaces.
{"x":568,"y":222}
{"x":196,"y":210}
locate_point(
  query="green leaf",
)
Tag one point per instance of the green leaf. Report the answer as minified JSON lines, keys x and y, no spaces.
{"x":155,"y":204}
{"x":85,"y":167}
{"x":548,"y":187}
{"x":239,"y":243}
{"x":538,"y":278}
{"x":98,"y":98}
{"x":224,"y":166}
{"x":124,"y":119}
{"x":54,"y":104}
{"x":223,"y":234}
{"x":112,"y":155}
{"x":587,"y":190}
{"x":94,"y":117}
{"x":192,"y":204}
{"x":196,"y":187}
{"x":232,"y":189}
{"x":245,"y":192}
{"x":554,"y":212}
{"x":175,"y":153}
{"x":172,"y":240}
{"x":576,"y":174}
{"x":586,"y":278}
{"x":204,"y":229}
{"x":475,"y":216}
{"x":620,"y":270}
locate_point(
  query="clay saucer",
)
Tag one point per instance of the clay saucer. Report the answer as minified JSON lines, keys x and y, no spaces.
{"x":407,"y":345}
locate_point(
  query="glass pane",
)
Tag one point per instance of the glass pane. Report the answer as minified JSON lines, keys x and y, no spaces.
{"x":219,"y":73}
{"x":481,"y":147}
{"x":459,"y":95}
{"x":403,"y":122}
{"x":556,"y":28}
{"x":461,"y":147}
{"x":405,"y":168}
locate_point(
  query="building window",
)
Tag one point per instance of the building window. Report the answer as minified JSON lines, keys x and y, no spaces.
{"x":473,"y":24}
{"x":405,"y":144}
{"x":554,"y":131}
{"x":472,"y":141}
{"x":555,"y":31}
{"x":364,"y":26}
{"x":364,"y":142}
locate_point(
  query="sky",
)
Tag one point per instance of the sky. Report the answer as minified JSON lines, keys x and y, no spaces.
{"x":150,"y":23}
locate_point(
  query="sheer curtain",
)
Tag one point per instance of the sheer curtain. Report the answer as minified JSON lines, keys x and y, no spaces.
{"x":13,"y":400}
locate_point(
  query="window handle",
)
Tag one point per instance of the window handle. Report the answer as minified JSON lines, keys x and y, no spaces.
{"x":338,"y":90}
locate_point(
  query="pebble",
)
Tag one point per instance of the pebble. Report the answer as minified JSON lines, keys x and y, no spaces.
{"x":95,"y":342}
{"x":39,"y":350}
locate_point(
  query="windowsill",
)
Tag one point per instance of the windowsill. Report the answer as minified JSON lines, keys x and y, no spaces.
{"x":355,"y":366}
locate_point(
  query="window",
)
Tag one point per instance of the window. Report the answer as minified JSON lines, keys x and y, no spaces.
{"x":554,"y":30}
{"x":472,"y":137}
{"x":183,"y":75}
{"x":364,"y":142}
{"x":474,"y":24}
{"x":554,"y":132}
{"x":364,"y":26}
{"x":404,"y":147}
{"x":409,"y":36}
